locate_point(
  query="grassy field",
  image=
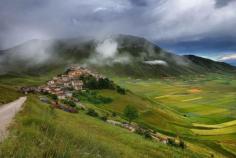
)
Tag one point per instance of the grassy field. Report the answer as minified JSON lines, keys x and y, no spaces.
{"x":8,"y":94}
{"x":222,"y":125}
{"x":202,"y":101}
{"x":151,"y":114}
{"x":42,"y":132}
{"x":207,"y":102}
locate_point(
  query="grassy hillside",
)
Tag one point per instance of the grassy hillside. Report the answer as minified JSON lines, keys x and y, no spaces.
{"x":19,"y":80}
{"x":8,"y":94}
{"x":151,"y":114}
{"x":42,"y":132}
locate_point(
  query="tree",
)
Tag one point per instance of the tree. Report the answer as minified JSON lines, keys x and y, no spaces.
{"x":91,"y":83}
{"x":120,"y":90}
{"x":131,"y":113}
{"x":105,"y":83}
{"x":53,"y":96}
{"x":69,"y":102}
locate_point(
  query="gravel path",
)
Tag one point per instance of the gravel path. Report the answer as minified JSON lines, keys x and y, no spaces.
{"x":7,"y":113}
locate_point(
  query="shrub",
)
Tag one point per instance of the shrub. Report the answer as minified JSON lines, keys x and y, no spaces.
{"x":171,"y":142}
{"x":144,"y":132}
{"x":69,"y":102}
{"x":92,"y":112}
{"x":104,"y":100}
{"x":92,"y":97}
{"x":147,"y":135}
{"x":114,"y":114}
{"x":53,"y":96}
{"x":103,"y":118}
{"x":182,"y":144}
{"x":120,"y":90}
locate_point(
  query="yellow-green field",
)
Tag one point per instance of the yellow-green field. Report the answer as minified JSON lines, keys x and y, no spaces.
{"x":222,"y":125}
{"x":208,"y":103}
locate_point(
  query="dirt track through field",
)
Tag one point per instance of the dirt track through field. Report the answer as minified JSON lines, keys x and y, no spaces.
{"x":7,"y":113}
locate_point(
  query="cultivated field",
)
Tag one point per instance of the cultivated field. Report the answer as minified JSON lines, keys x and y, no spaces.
{"x":207,"y":104}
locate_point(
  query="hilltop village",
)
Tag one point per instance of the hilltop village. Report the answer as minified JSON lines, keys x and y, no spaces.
{"x":63,"y":85}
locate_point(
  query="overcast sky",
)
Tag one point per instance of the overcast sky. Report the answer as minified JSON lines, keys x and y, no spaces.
{"x":205,"y":27}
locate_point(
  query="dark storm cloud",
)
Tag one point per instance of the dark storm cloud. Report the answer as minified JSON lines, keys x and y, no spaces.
{"x":222,"y":3}
{"x":165,"y":21}
{"x":209,"y":46}
{"x":141,"y":3}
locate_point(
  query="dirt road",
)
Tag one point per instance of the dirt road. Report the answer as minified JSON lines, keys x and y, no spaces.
{"x":7,"y":113}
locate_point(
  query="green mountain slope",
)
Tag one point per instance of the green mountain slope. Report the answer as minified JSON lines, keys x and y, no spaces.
{"x":134,"y":56}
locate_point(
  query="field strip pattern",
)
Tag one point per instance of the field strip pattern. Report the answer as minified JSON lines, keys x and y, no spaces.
{"x":222,"y":125}
{"x":193,"y":99}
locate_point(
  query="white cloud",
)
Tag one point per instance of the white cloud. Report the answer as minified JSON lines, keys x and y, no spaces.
{"x":107,"y":53}
{"x":107,"y":48}
{"x":156,"y":62}
{"x":100,"y":9}
{"x":227,"y":57}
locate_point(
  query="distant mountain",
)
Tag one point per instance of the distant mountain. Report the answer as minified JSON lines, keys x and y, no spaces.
{"x":229,"y":58}
{"x":119,"y":55}
{"x":210,"y":65}
{"x":231,"y":62}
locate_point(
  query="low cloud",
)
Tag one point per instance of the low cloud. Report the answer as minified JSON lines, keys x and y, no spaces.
{"x":28,"y":55}
{"x":107,"y":48}
{"x":106,"y":53}
{"x":227,"y":57}
{"x":156,"y":62}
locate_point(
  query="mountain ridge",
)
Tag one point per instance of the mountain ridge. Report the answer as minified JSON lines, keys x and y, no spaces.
{"x":119,"y":54}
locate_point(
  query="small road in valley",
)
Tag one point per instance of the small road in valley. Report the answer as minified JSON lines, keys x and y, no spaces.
{"x":7,"y":113}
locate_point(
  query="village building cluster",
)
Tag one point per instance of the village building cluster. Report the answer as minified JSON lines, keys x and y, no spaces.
{"x":63,"y":85}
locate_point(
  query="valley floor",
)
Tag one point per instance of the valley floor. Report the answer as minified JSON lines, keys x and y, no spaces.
{"x":206,"y":104}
